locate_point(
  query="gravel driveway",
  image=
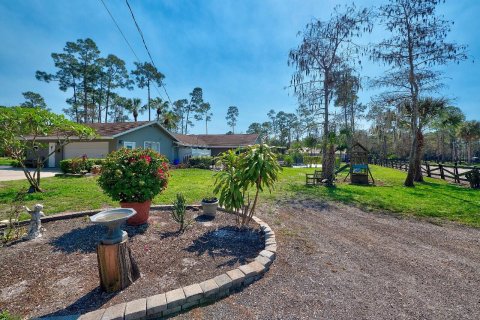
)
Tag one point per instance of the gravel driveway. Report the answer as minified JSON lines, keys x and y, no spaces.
{"x":338,"y":262}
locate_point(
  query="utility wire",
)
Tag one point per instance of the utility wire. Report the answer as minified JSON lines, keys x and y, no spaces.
{"x":128,"y":43}
{"x":120,"y":30}
{"x":145,"y":44}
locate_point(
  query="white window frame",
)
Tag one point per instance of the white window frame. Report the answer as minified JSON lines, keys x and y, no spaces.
{"x":152,"y":143}
{"x":127,"y":144}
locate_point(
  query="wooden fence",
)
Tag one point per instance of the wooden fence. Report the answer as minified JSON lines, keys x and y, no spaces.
{"x":455,"y":173}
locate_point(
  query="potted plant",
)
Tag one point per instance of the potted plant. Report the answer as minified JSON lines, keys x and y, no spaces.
{"x":209,"y":206}
{"x":134,"y":177}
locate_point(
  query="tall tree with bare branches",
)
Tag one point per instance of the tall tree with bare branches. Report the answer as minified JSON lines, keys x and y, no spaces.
{"x":325,"y":47}
{"x":417,"y":44}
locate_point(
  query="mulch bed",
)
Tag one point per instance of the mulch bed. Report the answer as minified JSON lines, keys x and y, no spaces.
{"x":57,"y":274}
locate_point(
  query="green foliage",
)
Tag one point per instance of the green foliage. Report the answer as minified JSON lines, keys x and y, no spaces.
{"x":255,"y":168}
{"x":210,"y":198}
{"x":473,"y":178}
{"x":203,"y":162}
{"x":13,"y":231}
{"x":24,"y":126}
{"x":134,"y":175}
{"x":309,"y":160}
{"x":433,"y":198}
{"x":178,"y":212}
{"x":288,"y":160}
{"x":5,"y":315}
{"x":78,"y":165}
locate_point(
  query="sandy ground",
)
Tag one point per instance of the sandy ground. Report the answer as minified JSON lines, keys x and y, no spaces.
{"x":9,"y":173}
{"x":338,"y":262}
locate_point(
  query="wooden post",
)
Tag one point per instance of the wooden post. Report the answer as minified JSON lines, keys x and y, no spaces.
{"x":116,"y":266}
{"x":429,"y":173}
{"x":457,"y":174}
{"x":442,"y":174}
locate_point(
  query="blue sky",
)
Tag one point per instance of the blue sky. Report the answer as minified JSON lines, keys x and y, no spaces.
{"x":235,"y":50}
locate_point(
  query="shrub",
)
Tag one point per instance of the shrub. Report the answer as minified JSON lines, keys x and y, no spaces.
{"x":312,"y":160}
{"x":78,"y":165}
{"x":257,"y":167}
{"x":203,"y":162}
{"x":136,"y":175}
{"x":288,"y":161}
{"x":474,"y":178}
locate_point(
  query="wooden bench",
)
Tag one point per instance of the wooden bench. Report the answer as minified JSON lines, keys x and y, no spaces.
{"x":313,"y":179}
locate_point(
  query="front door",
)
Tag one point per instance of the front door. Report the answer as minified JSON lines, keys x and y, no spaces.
{"x":51,"y":150}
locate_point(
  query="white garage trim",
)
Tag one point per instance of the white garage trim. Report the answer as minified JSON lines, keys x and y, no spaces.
{"x":91,"y":149}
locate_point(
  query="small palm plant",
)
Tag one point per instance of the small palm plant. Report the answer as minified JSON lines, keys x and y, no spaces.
{"x":257,"y":168}
{"x":179,"y":210}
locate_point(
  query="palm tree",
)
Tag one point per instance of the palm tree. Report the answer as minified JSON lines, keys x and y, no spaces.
{"x":170,"y":120}
{"x":135,"y":107}
{"x":469,"y":131}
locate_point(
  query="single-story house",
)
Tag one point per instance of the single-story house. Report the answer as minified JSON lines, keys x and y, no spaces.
{"x":144,"y":134}
{"x":212,"y":144}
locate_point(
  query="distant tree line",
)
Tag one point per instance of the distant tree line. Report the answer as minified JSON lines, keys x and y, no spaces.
{"x":408,"y":119}
{"x":95,"y":82}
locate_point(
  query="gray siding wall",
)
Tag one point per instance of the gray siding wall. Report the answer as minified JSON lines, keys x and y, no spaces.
{"x":150,"y":133}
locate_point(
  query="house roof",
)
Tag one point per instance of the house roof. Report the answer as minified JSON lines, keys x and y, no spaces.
{"x":113,"y":129}
{"x":217,"y":140}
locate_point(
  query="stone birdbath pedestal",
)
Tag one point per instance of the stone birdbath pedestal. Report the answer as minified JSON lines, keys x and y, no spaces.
{"x":116,"y":266}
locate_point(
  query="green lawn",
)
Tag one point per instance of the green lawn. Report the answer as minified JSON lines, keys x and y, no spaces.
{"x":434,"y":198}
{"x":5,"y":161}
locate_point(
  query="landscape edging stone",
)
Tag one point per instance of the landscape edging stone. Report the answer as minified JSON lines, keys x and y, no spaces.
{"x":255,"y":270}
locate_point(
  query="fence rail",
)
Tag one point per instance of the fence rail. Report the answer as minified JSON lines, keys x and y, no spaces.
{"x":455,"y":173}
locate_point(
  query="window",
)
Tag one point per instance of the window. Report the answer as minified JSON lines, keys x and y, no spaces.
{"x":129,"y":145}
{"x":155,"y":146}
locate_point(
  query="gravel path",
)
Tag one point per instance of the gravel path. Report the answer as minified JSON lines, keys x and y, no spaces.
{"x":338,"y":262}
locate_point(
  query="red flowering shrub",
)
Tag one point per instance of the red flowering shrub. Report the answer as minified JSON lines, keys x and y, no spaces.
{"x":134,"y":175}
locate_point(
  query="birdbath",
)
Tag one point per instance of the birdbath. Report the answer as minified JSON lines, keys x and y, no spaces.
{"x":116,"y":266}
{"x":113,"y":219}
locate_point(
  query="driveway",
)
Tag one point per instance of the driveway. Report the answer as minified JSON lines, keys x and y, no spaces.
{"x":339,"y":262}
{"x":9,"y":173}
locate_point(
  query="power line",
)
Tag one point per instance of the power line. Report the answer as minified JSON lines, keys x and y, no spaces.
{"x":145,"y":44}
{"x":121,"y":32}
{"x":128,"y":43}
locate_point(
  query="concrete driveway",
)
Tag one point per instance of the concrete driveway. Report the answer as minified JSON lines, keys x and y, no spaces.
{"x":9,"y":173}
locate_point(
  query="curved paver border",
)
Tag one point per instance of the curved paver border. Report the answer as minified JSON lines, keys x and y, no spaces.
{"x":185,"y":298}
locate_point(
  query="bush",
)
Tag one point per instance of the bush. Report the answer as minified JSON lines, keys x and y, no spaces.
{"x":287,"y":161}
{"x":474,"y":178}
{"x":203,"y":162}
{"x":257,"y":168}
{"x":136,"y":175}
{"x":78,"y":165}
{"x":312,"y":160}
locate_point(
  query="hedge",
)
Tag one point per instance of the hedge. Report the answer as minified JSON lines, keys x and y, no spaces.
{"x":203,"y":162}
{"x":312,"y":159}
{"x":78,"y":165}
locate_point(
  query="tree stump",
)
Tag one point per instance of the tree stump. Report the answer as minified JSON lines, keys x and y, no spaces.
{"x":116,"y":266}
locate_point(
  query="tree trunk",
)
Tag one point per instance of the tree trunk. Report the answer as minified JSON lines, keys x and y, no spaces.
{"x":328,"y":150}
{"x":116,"y":266}
{"x":148,"y":89}
{"x":418,"y":156}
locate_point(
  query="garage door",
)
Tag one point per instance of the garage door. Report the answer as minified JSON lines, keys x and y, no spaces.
{"x":91,"y":149}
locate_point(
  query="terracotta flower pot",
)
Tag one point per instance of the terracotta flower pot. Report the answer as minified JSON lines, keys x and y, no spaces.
{"x":143,"y":210}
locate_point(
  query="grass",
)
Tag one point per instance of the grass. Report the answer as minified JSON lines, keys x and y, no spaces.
{"x":5,"y":161}
{"x":433,"y":198}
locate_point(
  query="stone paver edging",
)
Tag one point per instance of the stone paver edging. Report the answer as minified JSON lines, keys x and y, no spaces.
{"x":184,"y":298}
